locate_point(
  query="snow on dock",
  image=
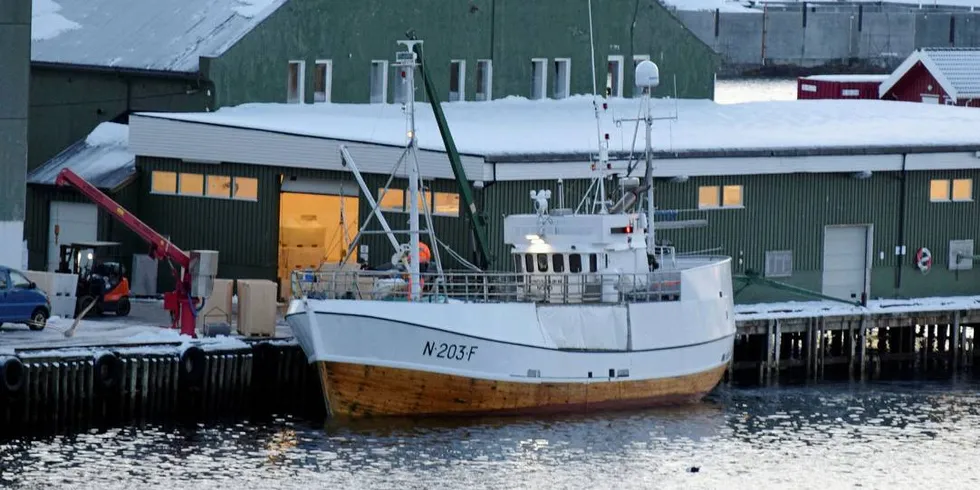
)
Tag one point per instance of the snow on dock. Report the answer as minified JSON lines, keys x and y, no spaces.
{"x":815,"y":309}
{"x":147,"y":327}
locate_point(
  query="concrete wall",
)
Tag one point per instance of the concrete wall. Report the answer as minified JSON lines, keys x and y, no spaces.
{"x":15,"y":55}
{"x":827,"y":38}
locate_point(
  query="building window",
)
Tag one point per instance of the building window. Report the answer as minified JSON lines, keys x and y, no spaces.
{"x":191,"y":185}
{"x":944,"y":190}
{"x":731,"y":196}
{"x":446,"y":203}
{"x":850,"y":92}
{"x":614,"y":76}
{"x":323,"y":81}
{"x":637,"y":58}
{"x":379,"y":81}
{"x":163,"y":182}
{"x":539,"y":78}
{"x":297,"y":77}
{"x":391,"y":200}
{"x":939,"y":190}
{"x":457,"y":80}
{"x":219,"y":186}
{"x":562,"y":83}
{"x":246,"y":189}
{"x":439,"y":203}
{"x":963,"y":190}
{"x":484,"y":80}
{"x":779,"y":263}
{"x":713,"y":196}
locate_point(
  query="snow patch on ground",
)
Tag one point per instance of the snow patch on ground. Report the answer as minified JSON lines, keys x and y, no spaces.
{"x":109,"y":134}
{"x":46,"y":22}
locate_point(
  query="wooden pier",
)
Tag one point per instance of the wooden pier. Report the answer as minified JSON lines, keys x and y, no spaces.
{"x":872,"y":344}
{"x":44,"y":390}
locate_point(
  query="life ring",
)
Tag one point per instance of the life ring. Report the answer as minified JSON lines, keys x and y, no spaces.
{"x":11,"y":375}
{"x":923,"y":260}
{"x":191,"y":373}
{"x":108,"y":371}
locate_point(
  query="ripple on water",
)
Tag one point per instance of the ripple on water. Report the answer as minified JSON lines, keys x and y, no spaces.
{"x":875,"y":435}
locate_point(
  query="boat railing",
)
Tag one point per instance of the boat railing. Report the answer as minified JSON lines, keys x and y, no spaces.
{"x":491,"y":287}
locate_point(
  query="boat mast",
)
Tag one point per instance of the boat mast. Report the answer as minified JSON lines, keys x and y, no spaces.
{"x":407,"y":61}
{"x":648,"y":77}
{"x":648,"y":177}
{"x":603,"y":151}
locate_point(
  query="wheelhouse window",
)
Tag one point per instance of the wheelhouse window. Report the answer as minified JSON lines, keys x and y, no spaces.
{"x":558,"y":263}
{"x":574,"y":263}
{"x":542,"y":262}
{"x":528,"y":263}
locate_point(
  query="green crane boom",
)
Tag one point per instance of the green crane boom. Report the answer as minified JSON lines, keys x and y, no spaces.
{"x":477,"y":221}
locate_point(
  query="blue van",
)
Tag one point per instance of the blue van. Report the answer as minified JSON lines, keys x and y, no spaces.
{"x":21,"y":301}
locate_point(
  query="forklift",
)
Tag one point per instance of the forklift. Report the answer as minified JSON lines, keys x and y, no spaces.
{"x":100,"y":281}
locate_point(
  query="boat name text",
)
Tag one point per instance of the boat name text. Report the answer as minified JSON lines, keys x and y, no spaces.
{"x":458,"y":352}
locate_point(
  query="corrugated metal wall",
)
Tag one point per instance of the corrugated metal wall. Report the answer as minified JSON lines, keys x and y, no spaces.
{"x":36,"y":225}
{"x":246,"y":233}
{"x":789,"y":212}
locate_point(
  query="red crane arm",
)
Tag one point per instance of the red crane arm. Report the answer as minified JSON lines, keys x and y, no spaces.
{"x":160,"y":247}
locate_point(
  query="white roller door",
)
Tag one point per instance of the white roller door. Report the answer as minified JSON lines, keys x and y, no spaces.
{"x":77,"y":222}
{"x":845,"y":261}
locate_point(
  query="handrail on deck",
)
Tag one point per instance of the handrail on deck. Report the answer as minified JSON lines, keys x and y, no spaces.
{"x":491,"y":287}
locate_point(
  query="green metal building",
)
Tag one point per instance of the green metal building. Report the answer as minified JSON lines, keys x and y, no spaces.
{"x":100,"y":64}
{"x":844,"y":221}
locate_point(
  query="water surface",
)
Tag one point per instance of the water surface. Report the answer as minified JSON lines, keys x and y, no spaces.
{"x":881,"y":435}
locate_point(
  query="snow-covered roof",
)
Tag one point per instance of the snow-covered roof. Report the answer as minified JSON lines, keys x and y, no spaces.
{"x":102,"y":158}
{"x":956,"y":69}
{"x":517,"y":126}
{"x":847,"y":78}
{"x":167,"y":35}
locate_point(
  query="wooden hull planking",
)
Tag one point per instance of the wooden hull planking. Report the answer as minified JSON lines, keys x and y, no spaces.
{"x":357,"y":390}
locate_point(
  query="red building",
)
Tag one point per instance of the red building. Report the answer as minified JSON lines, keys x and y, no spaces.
{"x":839,"y":86}
{"x":937,"y":76}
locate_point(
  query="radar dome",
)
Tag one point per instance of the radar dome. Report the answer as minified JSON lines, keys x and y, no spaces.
{"x":647,"y":74}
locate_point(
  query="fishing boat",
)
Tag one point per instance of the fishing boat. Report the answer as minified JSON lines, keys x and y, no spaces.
{"x":595,"y":314}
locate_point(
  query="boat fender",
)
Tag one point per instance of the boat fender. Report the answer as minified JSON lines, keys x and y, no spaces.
{"x":265,"y":358}
{"x":192,"y":367}
{"x":11,"y":375}
{"x":108,"y":371}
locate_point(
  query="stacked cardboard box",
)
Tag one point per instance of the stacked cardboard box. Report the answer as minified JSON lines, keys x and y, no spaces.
{"x":302,"y":247}
{"x":256,"y":307}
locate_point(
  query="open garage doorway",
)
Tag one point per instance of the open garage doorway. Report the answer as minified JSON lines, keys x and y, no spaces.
{"x":314,"y":229}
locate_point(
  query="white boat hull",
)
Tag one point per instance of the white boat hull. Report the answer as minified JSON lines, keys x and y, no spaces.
{"x":400,"y":358}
